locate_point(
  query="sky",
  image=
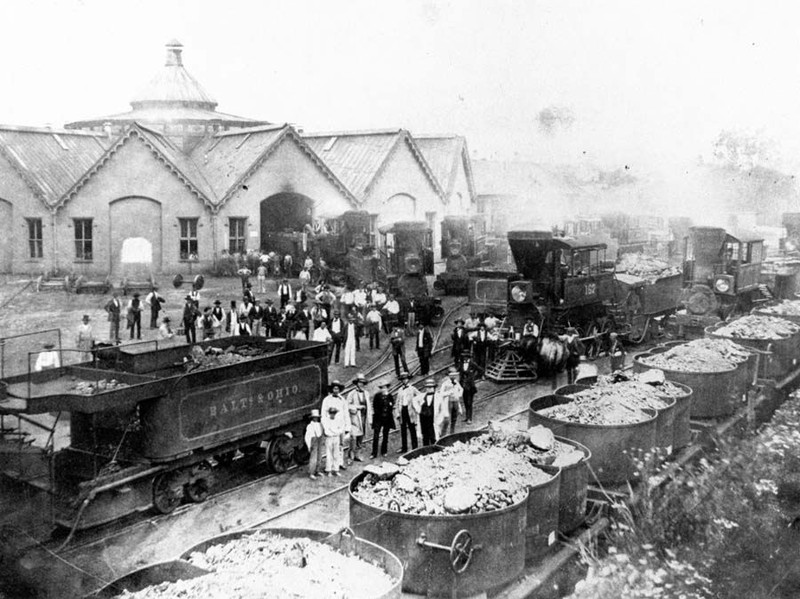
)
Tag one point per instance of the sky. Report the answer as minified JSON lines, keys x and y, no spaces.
{"x":645,"y":84}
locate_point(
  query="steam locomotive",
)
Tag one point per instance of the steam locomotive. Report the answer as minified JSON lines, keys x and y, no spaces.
{"x":464,"y":245}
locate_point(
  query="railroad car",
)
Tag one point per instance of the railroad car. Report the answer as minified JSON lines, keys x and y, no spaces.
{"x":149,"y":424}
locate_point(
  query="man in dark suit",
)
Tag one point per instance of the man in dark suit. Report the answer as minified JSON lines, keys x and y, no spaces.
{"x":190,"y":314}
{"x":382,"y":418}
{"x":480,"y":346}
{"x":460,"y":341}
{"x":284,"y":292}
{"x":424,"y":347}
{"x":337,"y":329}
{"x":114,"y":309}
{"x":270,"y":318}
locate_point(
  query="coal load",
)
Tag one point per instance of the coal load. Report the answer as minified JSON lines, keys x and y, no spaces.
{"x":90,"y":388}
{"x":754,"y":326}
{"x":700,"y":355}
{"x":652,"y":378}
{"x":264,"y":565}
{"x":214,"y":357}
{"x":460,"y":479}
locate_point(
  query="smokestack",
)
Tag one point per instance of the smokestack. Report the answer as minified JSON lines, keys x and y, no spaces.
{"x":174,"y":49}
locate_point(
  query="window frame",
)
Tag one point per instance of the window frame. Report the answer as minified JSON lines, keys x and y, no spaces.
{"x":187,"y":234}
{"x":31,"y":223}
{"x":84,"y":244}
{"x":237,"y":243}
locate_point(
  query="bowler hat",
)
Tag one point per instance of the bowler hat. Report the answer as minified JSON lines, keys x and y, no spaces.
{"x":336,"y":383}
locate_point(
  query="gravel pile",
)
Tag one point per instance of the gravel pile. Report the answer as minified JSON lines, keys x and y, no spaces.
{"x":700,"y":355}
{"x":264,"y":565}
{"x":464,"y":478}
{"x":785,"y":308}
{"x":646,"y":267}
{"x":754,"y":326}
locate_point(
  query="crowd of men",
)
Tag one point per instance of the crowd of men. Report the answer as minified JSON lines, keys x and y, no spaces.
{"x":336,"y":431}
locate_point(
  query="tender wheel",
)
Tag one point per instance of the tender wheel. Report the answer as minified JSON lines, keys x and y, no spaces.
{"x":198,"y":490}
{"x":165,"y":497}
{"x":280,"y":453}
{"x":593,"y":343}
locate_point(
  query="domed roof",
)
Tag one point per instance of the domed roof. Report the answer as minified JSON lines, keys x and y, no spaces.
{"x":173,"y":86}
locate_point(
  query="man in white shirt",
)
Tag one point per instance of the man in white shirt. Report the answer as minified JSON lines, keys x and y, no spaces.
{"x":323,"y":335}
{"x":47,"y":359}
{"x":335,"y":428}
{"x":392,"y":311}
{"x":452,"y":395}
{"x":374,"y":321}
{"x":406,"y":412}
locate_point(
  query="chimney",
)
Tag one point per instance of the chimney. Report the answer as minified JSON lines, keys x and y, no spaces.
{"x":174,"y":49}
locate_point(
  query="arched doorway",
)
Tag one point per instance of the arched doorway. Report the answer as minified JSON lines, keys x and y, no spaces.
{"x":6,"y":236}
{"x":135,"y":235}
{"x":284,"y":218}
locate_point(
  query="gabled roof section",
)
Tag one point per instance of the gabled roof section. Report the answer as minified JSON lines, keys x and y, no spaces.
{"x":165,"y":151}
{"x":360,"y":157}
{"x":50,"y":161}
{"x":444,"y":154}
{"x":230,"y":158}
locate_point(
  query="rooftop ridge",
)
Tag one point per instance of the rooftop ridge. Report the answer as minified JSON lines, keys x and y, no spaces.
{"x":51,"y":130}
{"x":352,"y":133}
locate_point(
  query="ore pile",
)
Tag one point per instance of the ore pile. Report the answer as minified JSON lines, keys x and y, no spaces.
{"x":700,"y":355}
{"x":266,"y":566}
{"x":214,"y":357}
{"x":758,"y":327}
{"x":604,"y":405}
{"x":785,"y":308}
{"x":457,"y":480}
{"x":659,"y":384}
{"x":646,"y":267}
{"x":537,"y":444}
{"x":90,"y":388}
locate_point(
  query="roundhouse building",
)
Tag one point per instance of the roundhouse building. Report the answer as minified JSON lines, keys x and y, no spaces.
{"x":173,"y":184}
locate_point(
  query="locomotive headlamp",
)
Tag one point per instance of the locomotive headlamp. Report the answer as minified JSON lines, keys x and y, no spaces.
{"x":519,"y":294}
{"x":722,"y":285}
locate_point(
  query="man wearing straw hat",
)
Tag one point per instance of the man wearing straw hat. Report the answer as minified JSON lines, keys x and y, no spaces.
{"x":358,"y":407}
{"x":452,"y":394}
{"x":315,"y":441}
{"x":335,"y":403}
{"x":406,"y":412}
{"x":47,"y":359}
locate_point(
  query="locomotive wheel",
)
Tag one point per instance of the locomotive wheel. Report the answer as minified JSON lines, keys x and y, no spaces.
{"x":199,"y":490}
{"x":165,"y":499}
{"x":226,"y":457}
{"x":598,"y":331}
{"x":280,"y":453}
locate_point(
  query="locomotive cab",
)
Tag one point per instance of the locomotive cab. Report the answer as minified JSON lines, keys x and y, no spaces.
{"x":721,"y":273}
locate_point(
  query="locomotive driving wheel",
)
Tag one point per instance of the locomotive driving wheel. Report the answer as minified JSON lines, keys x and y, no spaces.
{"x":198,"y":490}
{"x":280,"y":453}
{"x":165,"y":495}
{"x":597,"y":337}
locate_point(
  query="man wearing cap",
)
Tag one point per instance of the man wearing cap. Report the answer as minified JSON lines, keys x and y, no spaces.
{"x":382,"y":418}
{"x":114,"y":310}
{"x":406,"y":412}
{"x":334,"y":403}
{"x":398,"y":343}
{"x":452,"y":395}
{"x":467,"y":373}
{"x":426,"y":402}
{"x":337,"y":329}
{"x":374,"y":320}
{"x":350,"y":340}
{"x":315,"y":441}
{"x":459,"y":340}
{"x":359,"y":410}
{"x":217,"y":318}
{"x":190,"y":320}
{"x":269,"y":318}
{"x":135,"y":316}
{"x":155,"y":301}
{"x":424,"y":346}
{"x":47,"y":359}
{"x":575,"y":350}
{"x":85,"y":339}
{"x":284,"y":292}
{"x":165,"y":330}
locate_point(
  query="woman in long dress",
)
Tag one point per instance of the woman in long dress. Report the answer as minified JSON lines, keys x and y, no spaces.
{"x":350,"y":343}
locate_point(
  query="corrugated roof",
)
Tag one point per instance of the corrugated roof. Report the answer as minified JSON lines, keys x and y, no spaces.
{"x":51,"y":161}
{"x":226,"y":159}
{"x":356,"y":157}
{"x":443,"y":153}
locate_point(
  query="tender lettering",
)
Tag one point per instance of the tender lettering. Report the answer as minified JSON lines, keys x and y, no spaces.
{"x":248,"y":402}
